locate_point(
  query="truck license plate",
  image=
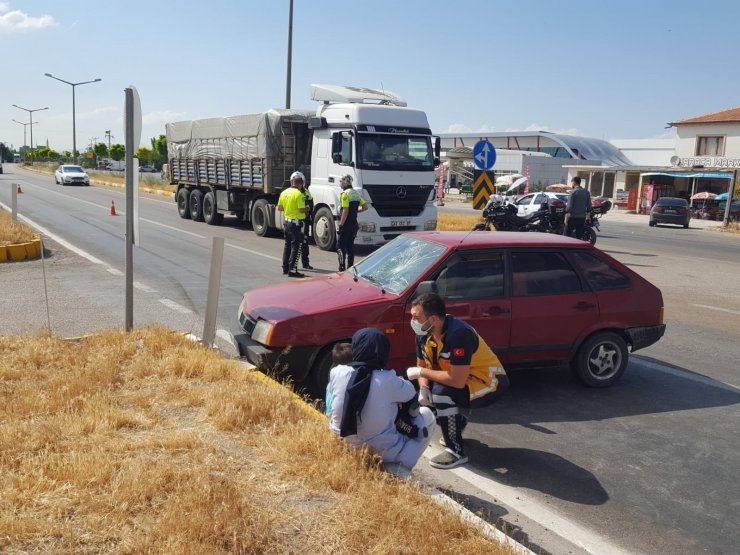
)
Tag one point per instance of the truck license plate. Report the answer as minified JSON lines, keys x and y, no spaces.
{"x":400,"y":223}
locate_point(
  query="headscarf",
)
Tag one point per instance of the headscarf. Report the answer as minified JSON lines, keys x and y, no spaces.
{"x":370,"y":350}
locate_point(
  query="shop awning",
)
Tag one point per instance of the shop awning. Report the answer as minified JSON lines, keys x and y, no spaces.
{"x":704,"y":175}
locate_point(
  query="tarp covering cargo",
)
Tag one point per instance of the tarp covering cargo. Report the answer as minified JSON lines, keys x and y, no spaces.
{"x":236,"y":137}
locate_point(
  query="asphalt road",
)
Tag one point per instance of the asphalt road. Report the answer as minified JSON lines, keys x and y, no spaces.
{"x":647,"y":466}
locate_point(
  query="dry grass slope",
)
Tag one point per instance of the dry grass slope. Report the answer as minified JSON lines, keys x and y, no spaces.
{"x":14,"y":232}
{"x":449,"y":221}
{"x":145,"y":442}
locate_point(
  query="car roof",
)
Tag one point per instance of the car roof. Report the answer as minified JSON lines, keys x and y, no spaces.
{"x":480,"y":239}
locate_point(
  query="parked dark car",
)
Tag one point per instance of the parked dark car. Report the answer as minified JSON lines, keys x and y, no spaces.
{"x":669,"y":210}
{"x":538,"y":299}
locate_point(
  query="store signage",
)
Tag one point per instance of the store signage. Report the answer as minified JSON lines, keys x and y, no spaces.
{"x":710,"y":162}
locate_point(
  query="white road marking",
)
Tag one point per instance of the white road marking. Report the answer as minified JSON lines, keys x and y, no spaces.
{"x":572,"y":532}
{"x":114,"y":271}
{"x":58,"y":239}
{"x":177,"y":229}
{"x":175,"y":306}
{"x":145,"y":288}
{"x":685,"y":374}
{"x":254,"y":252}
{"x":709,"y":307}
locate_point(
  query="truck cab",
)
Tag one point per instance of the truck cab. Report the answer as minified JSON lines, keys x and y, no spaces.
{"x":389,"y":151}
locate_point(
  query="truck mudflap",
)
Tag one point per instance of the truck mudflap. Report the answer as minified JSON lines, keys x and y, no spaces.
{"x":281,"y":361}
{"x":644,"y":336}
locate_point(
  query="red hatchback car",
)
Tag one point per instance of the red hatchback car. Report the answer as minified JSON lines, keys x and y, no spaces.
{"x":537,"y":299}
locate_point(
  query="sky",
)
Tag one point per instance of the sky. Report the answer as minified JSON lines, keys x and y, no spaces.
{"x":607,"y":69}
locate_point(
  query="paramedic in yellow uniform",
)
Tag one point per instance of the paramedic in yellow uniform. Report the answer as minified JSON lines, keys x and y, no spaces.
{"x":456,"y":370}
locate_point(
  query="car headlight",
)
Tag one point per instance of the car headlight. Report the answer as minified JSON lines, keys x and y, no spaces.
{"x":367,"y":227}
{"x":430,"y":225}
{"x":262,"y":332}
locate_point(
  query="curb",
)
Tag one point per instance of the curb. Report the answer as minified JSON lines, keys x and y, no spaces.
{"x":20,"y":251}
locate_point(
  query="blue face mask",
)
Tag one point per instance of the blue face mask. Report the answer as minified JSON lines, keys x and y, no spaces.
{"x":419,"y":327}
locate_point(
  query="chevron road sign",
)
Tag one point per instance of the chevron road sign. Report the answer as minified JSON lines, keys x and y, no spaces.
{"x":483,"y":188}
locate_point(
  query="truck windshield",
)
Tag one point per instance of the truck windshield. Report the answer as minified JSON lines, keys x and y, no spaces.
{"x":400,"y":263}
{"x":395,"y":152}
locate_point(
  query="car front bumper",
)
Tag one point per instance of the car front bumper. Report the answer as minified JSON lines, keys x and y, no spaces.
{"x":644,"y":336}
{"x":281,"y":361}
{"x":676,"y":219}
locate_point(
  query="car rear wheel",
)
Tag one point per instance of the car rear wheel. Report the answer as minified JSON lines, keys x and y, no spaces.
{"x":601,"y":360}
{"x":651,"y":223}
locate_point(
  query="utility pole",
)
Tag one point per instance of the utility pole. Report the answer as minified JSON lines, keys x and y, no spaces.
{"x":290,"y":55}
{"x":30,"y":122}
{"x":107,"y":134}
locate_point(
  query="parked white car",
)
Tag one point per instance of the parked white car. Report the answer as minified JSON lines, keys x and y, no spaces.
{"x":532,"y":202}
{"x":68,"y":174}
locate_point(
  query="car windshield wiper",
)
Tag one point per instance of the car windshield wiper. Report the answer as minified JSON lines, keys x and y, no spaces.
{"x":374,"y":281}
{"x":355,"y":273}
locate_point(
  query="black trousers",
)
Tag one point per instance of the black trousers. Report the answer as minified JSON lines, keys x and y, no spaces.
{"x":304,"y":244}
{"x":447,"y":404}
{"x":346,"y":247}
{"x":293,"y":238}
{"x":574,"y":227}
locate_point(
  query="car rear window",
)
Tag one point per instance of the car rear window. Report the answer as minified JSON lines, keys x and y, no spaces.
{"x":600,"y":275}
{"x":671,"y":202}
{"x":543,"y":273}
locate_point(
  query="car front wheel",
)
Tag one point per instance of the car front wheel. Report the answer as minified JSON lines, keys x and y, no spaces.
{"x":601,"y":360}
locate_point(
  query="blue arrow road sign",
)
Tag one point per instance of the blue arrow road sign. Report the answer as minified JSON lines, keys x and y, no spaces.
{"x":484,"y":155}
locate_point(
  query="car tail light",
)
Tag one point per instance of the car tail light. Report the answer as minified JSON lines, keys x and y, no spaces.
{"x":657,"y":209}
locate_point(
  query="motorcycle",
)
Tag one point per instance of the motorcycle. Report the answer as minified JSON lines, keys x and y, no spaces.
{"x":600,"y":207}
{"x":503,"y":217}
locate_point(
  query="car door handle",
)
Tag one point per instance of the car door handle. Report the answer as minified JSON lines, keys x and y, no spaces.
{"x":583,"y":305}
{"x":497,"y":310}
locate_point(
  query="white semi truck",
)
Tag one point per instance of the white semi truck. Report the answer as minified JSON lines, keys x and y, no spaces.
{"x":239,"y":165}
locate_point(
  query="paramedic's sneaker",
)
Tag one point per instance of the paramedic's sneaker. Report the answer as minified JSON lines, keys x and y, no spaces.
{"x":464,"y":423}
{"x":448,"y":459}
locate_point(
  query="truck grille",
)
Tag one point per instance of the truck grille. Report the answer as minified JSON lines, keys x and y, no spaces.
{"x":399,"y":200}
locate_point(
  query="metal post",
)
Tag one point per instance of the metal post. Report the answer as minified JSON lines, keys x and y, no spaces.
{"x":129,"y":209}
{"x":214,"y":285}
{"x":74,"y":128}
{"x":730,"y":192}
{"x":14,"y":200}
{"x":290,"y":55}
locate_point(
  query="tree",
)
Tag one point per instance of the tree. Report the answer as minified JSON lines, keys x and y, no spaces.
{"x":118,"y":152}
{"x":100,"y":150}
{"x":67,"y":154}
{"x":144,"y":155}
{"x":159,"y":151}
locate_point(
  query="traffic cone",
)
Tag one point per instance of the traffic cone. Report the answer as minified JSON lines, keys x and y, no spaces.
{"x":18,"y":188}
{"x":113,"y":209}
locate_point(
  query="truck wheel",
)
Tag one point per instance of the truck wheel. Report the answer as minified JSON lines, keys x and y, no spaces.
{"x":324,"y":230}
{"x":183,"y":204}
{"x":196,"y":205}
{"x":210,"y":212}
{"x":261,"y":218}
{"x":601,"y":360}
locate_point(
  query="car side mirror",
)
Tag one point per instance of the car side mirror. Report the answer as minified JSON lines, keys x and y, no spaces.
{"x":436,"y":162}
{"x":337,"y":158}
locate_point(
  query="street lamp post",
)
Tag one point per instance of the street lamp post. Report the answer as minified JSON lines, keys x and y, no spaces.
{"x":74,"y":127}
{"x":30,"y":122}
{"x":24,"y":129}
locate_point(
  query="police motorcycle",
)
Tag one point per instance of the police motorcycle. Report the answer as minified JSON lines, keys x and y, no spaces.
{"x":499,"y":215}
{"x":600,"y":206}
